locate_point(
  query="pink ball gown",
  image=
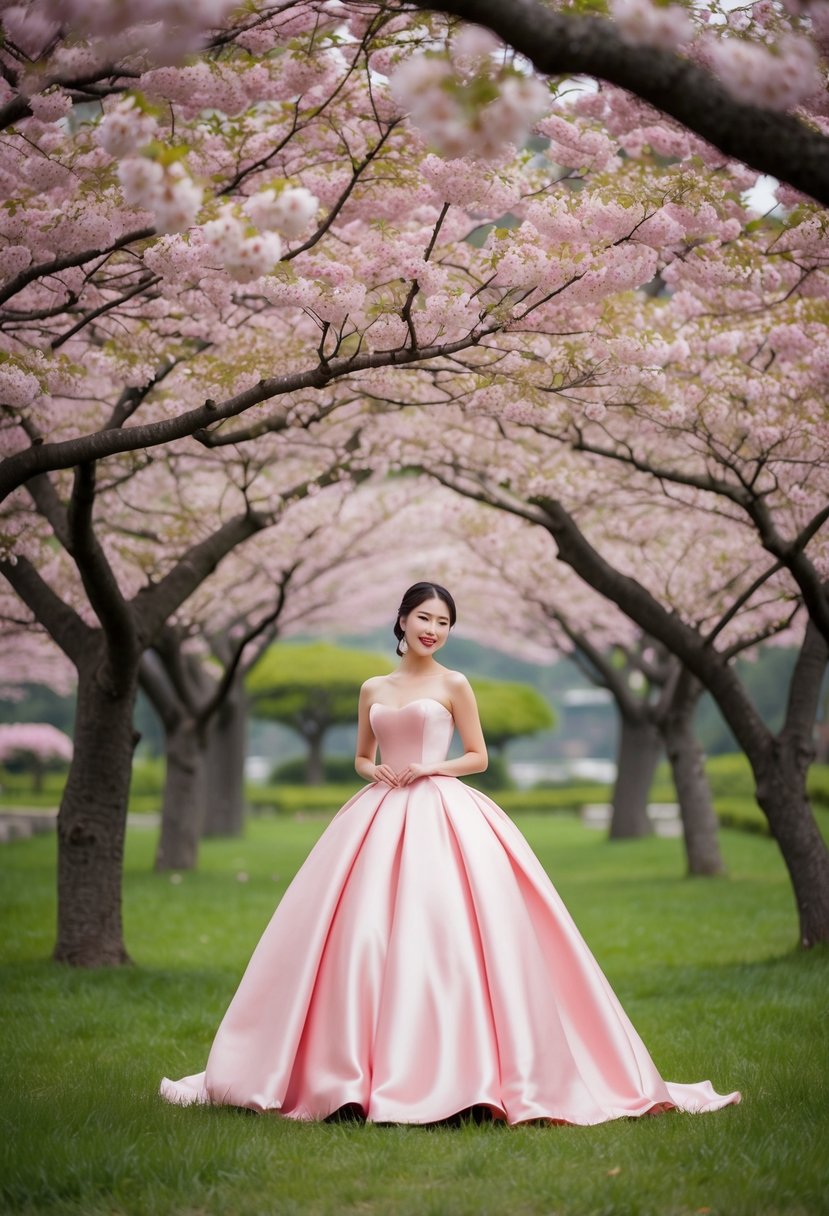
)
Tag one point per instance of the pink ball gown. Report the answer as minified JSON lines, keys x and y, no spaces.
{"x":420,"y":963}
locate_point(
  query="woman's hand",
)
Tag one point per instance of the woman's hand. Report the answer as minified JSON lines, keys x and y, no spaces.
{"x":411,"y":773}
{"x":382,"y":772}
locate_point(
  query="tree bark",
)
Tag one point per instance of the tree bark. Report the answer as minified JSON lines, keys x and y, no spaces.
{"x":780,"y":771}
{"x":226,"y":752}
{"x":693,"y":791}
{"x":182,"y":812}
{"x":316,"y":768}
{"x":92,"y":819}
{"x":640,"y":748}
{"x":781,"y":792}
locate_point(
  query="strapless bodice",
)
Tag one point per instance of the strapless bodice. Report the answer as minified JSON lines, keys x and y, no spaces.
{"x":417,"y":733}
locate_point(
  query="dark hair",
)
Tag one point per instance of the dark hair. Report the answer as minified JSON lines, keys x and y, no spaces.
{"x":418,"y":593}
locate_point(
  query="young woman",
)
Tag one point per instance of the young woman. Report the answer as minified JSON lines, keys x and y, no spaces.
{"x":421,"y":963}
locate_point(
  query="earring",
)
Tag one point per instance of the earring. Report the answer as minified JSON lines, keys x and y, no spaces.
{"x":404,"y":646}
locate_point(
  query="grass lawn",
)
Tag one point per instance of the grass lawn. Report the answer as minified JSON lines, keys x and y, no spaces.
{"x":705,"y":969}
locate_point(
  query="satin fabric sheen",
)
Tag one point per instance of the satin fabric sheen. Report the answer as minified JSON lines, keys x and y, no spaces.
{"x":421,"y":962}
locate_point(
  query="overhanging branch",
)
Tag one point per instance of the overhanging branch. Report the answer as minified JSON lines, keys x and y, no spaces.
{"x":565,"y":44}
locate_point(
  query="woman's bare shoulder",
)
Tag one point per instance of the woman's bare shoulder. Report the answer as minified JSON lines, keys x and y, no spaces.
{"x":456,"y":681}
{"x":372,"y":685}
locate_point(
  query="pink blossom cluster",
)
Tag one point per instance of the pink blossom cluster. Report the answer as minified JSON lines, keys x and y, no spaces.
{"x":167,"y":191}
{"x":18,"y":386}
{"x":471,"y":183}
{"x":574,"y":145}
{"x":125,"y":127}
{"x":162,"y":30}
{"x":35,"y":739}
{"x":465,"y":103}
{"x":248,"y":253}
{"x":289,"y":211}
{"x":776,"y":78}
{"x":642,"y":23}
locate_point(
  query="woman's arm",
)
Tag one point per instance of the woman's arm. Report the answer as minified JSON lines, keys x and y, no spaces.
{"x":366,"y":751}
{"x":468,"y":723}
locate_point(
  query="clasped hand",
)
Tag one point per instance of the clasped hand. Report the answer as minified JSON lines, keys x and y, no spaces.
{"x":406,"y":776}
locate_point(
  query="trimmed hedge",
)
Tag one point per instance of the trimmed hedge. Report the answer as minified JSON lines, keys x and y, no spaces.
{"x":730,"y":777}
{"x":290,"y":799}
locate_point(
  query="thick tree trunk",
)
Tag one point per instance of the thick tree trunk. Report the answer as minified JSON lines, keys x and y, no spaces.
{"x":92,"y":820}
{"x":687,"y":760}
{"x":638,"y":753}
{"x":316,"y":769}
{"x":182,"y":812}
{"x":226,"y":752}
{"x":781,"y":792}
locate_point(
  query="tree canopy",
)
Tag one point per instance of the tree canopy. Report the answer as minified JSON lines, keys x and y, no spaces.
{"x":509,"y":710}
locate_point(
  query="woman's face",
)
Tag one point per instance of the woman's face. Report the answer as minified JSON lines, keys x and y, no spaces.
{"x":426,"y":628}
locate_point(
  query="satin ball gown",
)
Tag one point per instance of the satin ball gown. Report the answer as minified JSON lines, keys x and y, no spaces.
{"x":421,"y":963}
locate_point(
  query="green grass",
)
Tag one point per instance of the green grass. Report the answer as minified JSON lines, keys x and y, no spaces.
{"x":705,"y":969}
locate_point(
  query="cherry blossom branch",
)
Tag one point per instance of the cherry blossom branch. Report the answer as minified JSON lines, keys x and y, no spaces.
{"x":262,"y":627}
{"x":99,"y":582}
{"x":741,"y":600}
{"x":790,"y":553}
{"x":40,"y":269}
{"x":608,"y":675}
{"x":762,"y":635}
{"x":133,"y":397}
{"x":567,"y":44}
{"x":48,"y":504}
{"x":813,"y":588}
{"x":154,"y":604}
{"x":65,"y":627}
{"x":143,"y":284}
{"x":16,"y":469}
{"x":18,"y":107}
{"x":357,"y":172}
{"x":634,"y":599}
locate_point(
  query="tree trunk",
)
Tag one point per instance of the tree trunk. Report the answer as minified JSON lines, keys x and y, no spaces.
{"x":182,"y":812}
{"x":92,"y":820}
{"x":637,"y":756}
{"x":316,"y":769}
{"x":687,"y":759}
{"x":779,"y":768}
{"x":781,"y":792}
{"x":226,"y":752}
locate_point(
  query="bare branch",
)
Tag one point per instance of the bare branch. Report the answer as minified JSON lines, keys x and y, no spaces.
{"x":61,"y":622}
{"x":96,"y":573}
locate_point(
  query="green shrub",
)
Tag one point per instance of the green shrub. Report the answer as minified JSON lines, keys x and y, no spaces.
{"x":337,"y":770}
{"x":147,"y":776}
{"x":496,"y":776}
{"x":295,"y":799}
{"x":818,"y":784}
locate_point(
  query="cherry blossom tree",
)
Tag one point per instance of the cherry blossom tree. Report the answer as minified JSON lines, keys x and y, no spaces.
{"x":746,"y":80}
{"x":35,"y":742}
{"x":654,"y":695}
{"x":254,"y":259}
{"x":290,"y":578}
{"x":779,"y":761}
{"x":107,"y":559}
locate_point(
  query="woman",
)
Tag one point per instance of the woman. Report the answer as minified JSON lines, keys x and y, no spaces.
{"x":421,"y":962}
